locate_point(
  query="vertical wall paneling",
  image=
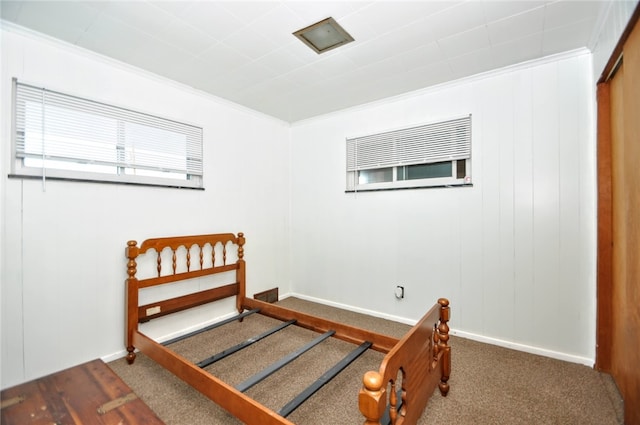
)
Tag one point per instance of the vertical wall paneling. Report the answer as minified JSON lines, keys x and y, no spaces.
{"x":570,"y":276}
{"x":514,"y":252}
{"x":63,"y":264}
{"x":546,"y":202}
{"x":471,"y":301}
{"x":497,"y":206}
{"x":524,"y":286}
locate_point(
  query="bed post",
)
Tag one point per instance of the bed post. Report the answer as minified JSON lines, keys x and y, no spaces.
{"x":131,"y":299}
{"x":240,"y":274}
{"x":372,"y":398}
{"x":443,"y":345}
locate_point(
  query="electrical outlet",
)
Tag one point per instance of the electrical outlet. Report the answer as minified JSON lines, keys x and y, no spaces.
{"x":153,"y":310}
{"x":399,"y":292}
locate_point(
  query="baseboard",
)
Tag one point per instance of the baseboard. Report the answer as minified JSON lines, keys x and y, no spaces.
{"x":456,"y":332}
{"x":525,"y":348}
{"x":114,"y":356}
{"x":119,"y":354}
{"x":351,"y":308}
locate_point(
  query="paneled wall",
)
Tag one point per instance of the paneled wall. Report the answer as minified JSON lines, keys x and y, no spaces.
{"x":514,"y":253}
{"x":63,"y":264}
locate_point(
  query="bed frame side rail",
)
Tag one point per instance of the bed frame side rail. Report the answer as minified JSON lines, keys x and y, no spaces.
{"x":352,"y":334}
{"x":410,"y":372}
{"x":235,"y":402}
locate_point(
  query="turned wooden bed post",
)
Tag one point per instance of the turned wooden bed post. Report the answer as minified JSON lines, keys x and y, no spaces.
{"x":131,"y":299}
{"x":372,"y":398}
{"x":240,"y":274}
{"x":443,"y":345}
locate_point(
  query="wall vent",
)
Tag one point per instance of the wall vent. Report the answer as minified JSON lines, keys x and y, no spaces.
{"x":269,"y":296}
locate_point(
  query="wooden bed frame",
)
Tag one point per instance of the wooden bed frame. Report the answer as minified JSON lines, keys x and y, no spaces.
{"x":422,"y":358}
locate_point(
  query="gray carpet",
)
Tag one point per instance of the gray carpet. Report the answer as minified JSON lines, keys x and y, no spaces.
{"x":489,"y":384}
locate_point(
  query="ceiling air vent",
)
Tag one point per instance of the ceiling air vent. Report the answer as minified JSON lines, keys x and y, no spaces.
{"x":324,"y":35}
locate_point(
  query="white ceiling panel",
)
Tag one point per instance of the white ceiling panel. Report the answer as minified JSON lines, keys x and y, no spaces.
{"x":380,"y":70}
{"x":280,"y":17}
{"x":66,"y":21}
{"x":250,"y":43}
{"x":523,"y":24}
{"x":428,"y":75}
{"x":465,"y":42}
{"x":418,"y":57}
{"x":475,"y":62}
{"x":113,"y":38}
{"x":359,"y":29}
{"x":305,"y":76}
{"x":142,"y":15}
{"x":313,"y":11}
{"x":244,"y":51}
{"x":281,"y":61}
{"x":10,"y":10}
{"x":246,"y":76}
{"x":334,"y":65}
{"x":183,"y":35}
{"x":516,"y":51}
{"x":378,"y":49}
{"x":174,"y":7}
{"x":389,"y":16}
{"x":222,"y":59}
{"x":456,"y":19}
{"x":560,"y":39}
{"x":497,"y":10}
{"x":211,"y":19}
{"x":562,"y":13}
{"x":248,"y":11}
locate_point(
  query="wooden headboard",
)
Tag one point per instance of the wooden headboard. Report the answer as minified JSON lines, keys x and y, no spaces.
{"x":181,"y":268}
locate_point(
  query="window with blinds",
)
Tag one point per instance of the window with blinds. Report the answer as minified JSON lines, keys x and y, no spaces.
{"x":57,"y":135}
{"x":436,"y":154}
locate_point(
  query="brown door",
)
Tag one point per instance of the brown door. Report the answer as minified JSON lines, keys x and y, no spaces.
{"x":618,"y":350}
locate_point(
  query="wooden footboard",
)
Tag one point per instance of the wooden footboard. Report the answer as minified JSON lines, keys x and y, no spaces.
{"x":410,"y":372}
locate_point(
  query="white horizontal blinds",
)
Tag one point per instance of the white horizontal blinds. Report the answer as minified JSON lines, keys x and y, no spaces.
{"x":59,"y":127}
{"x":442,"y":141}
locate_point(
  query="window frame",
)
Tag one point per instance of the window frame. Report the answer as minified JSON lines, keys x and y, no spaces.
{"x":353,"y":183}
{"x":193,"y":180}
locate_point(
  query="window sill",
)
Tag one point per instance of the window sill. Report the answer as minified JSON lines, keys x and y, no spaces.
{"x":444,"y":186}
{"x":177,"y":185}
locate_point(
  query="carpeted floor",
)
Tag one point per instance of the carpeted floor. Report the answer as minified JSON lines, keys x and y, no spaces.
{"x":489,"y":384}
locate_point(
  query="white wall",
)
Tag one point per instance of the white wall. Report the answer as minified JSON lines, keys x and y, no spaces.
{"x":63,"y":264}
{"x":515,"y":253}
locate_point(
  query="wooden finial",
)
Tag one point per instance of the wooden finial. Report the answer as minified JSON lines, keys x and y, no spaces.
{"x":131,"y":252}
{"x":372,"y":398}
{"x":241,"y":241}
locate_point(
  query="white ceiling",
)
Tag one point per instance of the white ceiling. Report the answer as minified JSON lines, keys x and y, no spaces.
{"x":244,"y":51}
